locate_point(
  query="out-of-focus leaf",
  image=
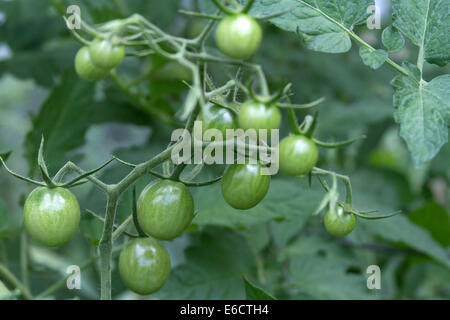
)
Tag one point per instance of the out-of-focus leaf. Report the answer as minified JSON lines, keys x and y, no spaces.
{"x":435,"y":219}
{"x":254,"y":293}
{"x":63,"y":120}
{"x":215,"y":264}
{"x":4,"y":219}
{"x":287,"y":198}
{"x":399,"y":229}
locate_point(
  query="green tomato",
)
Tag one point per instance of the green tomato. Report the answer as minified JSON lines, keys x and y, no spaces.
{"x":165,"y":209}
{"x":86,"y":69}
{"x":51,"y":216}
{"x":215,"y":117}
{"x":238,"y":36}
{"x":243,"y":185}
{"x":255,"y":115}
{"x":144,"y":265}
{"x":106,"y":55}
{"x":339,"y":223}
{"x":298,"y":155}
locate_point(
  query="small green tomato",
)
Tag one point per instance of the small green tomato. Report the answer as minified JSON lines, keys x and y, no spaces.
{"x":144,"y":265}
{"x":51,"y":216}
{"x":339,"y":223}
{"x":86,"y":69}
{"x":106,"y":55}
{"x":238,"y":36}
{"x":298,"y":155}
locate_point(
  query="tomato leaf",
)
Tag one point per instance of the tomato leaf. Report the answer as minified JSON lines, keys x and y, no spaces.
{"x":254,"y":293}
{"x":215,"y":264}
{"x":373,"y":58}
{"x":426,"y":24}
{"x":392,"y":39}
{"x":315,"y":21}
{"x":422,"y":110}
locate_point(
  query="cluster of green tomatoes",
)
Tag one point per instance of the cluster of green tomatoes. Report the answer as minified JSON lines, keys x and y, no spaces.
{"x":165,"y":207}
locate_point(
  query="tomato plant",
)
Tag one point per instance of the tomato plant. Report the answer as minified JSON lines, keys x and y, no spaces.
{"x":144,"y":265}
{"x":106,"y":169}
{"x":51,"y":216}
{"x":165,"y":209}
{"x":243,"y":185}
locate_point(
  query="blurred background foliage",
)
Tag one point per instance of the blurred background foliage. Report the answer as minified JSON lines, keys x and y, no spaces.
{"x":277,"y":245}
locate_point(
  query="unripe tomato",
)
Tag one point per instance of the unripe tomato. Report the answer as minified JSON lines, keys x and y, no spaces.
{"x":86,"y":69}
{"x":238,"y":36}
{"x":51,"y":216}
{"x":165,"y":209}
{"x":144,"y":265}
{"x":298,"y":155}
{"x":106,"y":55}
{"x":256,"y":115}
{"x":339,"y":223}
{"x":215,"y":117}
{"x":243,"y":185}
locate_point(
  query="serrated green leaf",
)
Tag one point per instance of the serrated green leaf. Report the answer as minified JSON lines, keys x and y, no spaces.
{"x":254,"y":293}
{"x":71,"y":100}
{"x":215,"y":265}
{"x":316,"y":20}
{"x":373,"y":58}
{"x":392,"y":39}
{"x":423,"y":112}
{"x":426,"y":23}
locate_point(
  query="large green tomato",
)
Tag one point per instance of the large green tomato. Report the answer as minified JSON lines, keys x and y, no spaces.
{"x":144,"y":265}
{"x":86,"y":69}
{"x":51,"y":216}
{"x":106,"y":55}
{"x":339,"y":223}
{"x":256,"y":115}
{"x":238,"y":36}
{"x":215,"y":117}
{"x":298,"y":155}
{"x":243,"y":185}
{"x":165,"y":209}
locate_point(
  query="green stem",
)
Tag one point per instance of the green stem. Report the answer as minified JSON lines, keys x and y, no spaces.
{"x":348,"y":187}
{"x":105,"y":246}
{"x":10,"y":278}
{"x":222,"y":7}
{"x":24,"y":259}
